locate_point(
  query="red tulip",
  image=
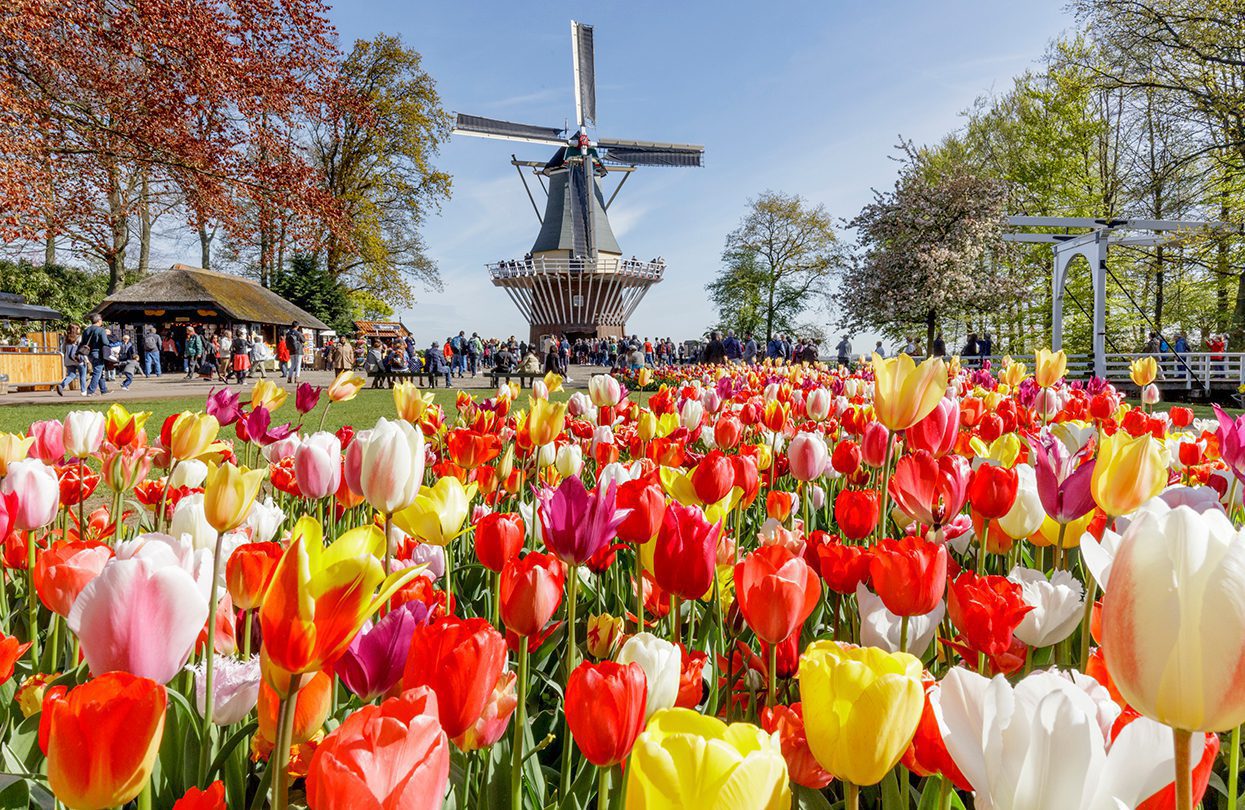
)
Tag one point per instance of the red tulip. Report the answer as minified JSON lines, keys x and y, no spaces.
{"x":211,"y":799}
{"x":927,"y":754}
{"x":1180,"y":416}
{"x":648,"y":506}
{"x":394,"y":755}
{"x":937,"y":432}
{"x":846,"y":457}
{"x":727,"y":432}
{"x":686,"y":551}
{"x":11,"y":651}
{"x":986,"y":610}
{"x":929,"y":490}
{"x":747,"y":478}
{"x":460,"y":660}
{"x":856,"y":511}
{"x":992,"y":491}
{"x":776,"y":591}
{"x":691,"y":678}
{"x":713,"y":477}
{"x":909,"y":575}
{"x":802,"y":767}
{"x":64,"y":570}
{"x":498,"y":539}
{"x":779,"y":505}
{"x":531,"y":591}
{"x":843,"y":567}
{"x":248,"y":571}
{"x":605,"y":709}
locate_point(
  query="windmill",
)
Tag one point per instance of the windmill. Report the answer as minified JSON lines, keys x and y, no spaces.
{"x":574,"y":280}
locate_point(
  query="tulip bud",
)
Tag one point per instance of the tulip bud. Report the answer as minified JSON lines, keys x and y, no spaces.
{"x":873,"y":444}
{"x":605,"y":633}
{"x":569,"y":460}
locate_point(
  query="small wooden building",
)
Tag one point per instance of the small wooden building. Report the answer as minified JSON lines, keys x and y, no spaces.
{"x":385,"y":330}
{"x":191,"y":296}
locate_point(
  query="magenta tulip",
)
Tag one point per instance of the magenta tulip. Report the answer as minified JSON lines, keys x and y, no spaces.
{"x":223,"y":404}
{"x":38,"y":493}
{"x":575,"y":523}
{"x":1231,"y":435}
{"x":318,"y":465}
{"x":306,"y":397}
{"x":374,"y":661}
{"x":1063,"y":479}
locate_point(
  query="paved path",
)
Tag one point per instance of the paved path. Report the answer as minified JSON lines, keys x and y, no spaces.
{"x":173,"y":386}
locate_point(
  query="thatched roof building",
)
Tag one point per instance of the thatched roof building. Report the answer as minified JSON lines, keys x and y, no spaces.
{"x":191,"y":295}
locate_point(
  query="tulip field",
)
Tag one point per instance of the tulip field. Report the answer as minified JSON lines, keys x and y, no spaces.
{"x":907,"y":587}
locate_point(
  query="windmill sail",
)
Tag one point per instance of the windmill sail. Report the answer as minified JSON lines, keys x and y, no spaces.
{"x":585,"y":74}
{"x":647,"y":153}
{"x":505,"y":130}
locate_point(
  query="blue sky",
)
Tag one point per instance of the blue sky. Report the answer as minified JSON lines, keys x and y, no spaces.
{"x":801,"y":97}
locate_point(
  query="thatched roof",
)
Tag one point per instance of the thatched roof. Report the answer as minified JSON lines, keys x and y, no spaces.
{"x":182,"y":288}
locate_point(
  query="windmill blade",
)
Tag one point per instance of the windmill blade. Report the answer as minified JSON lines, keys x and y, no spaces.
{"x":585,"y":74}
{"x":649,"y":153}
{"x":481,"y":127}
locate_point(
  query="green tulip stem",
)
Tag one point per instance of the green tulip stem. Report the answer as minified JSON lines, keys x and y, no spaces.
{"x":885,"y":487}
{"x":246,"y":634}
{"x":1234,"y":768}
{"x":280,"y":759}
{"x":209,"y":659}
{"x":1184,"y":775}
{"x":771,"y":695}
{"x":903,"y":634}
{"x":32,"y":601}
{"x":851,"y":796}
{"x":572,"y":592}
{"x":603,"y":788}
{"x":944,"y":793}
{"x":520,"y":728}
{"x":449,"y":577}
{"x":676,"y":620}
{"x":144,"y":797}
{"x":496,"y":606}
{"x":981,"y":547}
{"x":164,"y":494}
{"x":1091,"y":591}
{"x":639,"y":591}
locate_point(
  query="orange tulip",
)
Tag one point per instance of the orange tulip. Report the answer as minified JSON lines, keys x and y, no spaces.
{"x":310,"y":710}
{"x":64,"y":570}
{"x":319,"y":597}
{"x":101,"y":739}
{"x":11,"y":652}
{"x":249,"y":571}
{"x":122,"y":427}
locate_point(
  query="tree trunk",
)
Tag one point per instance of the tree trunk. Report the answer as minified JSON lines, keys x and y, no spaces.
{"x":769,"y":314}
{"x":49,"y":247}
{"x":119,"y":222}
{"x":931,"y":319}
{"x":144,"y":230}
{"x":205,"y":246}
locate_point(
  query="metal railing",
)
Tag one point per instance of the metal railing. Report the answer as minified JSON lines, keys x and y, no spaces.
{"x":605,"y":265}
{"x":1187,"y":370}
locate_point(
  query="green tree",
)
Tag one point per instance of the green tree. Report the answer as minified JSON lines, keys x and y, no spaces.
{"x":309,"y":285}
{"x":777,"y":264}
{"x":375,"y":150}
{"x":70,"y":291}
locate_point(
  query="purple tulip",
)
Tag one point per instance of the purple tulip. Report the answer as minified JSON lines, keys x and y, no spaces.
{"x":374,"y":661}
{"x":307,"y":397}
{"x":223,"y":404}
{"x":1063,"y":479}
{"x":257,"y":428}
{"x":575,"y":523}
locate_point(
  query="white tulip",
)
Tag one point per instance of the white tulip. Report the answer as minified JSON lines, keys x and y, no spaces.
{"x":1027,"y":513}
{"x":84,"y":433}
{"x":190,"y":519}
{"x":235,"y":687}
{"x":189,"y":472}
{"x":1057,"y":605}
{"x":881,"y":628}
{"x":569,"y":460}
{"x":662,"y":663}
{"x":391,"y":468}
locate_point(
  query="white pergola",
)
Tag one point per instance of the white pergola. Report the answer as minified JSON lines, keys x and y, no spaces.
{"x":1093,"y":244}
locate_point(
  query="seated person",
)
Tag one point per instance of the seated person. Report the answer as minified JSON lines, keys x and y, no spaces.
{"x":503,"y":361}
{"x":531,"y":364}
{"x":375,"y":358}
{"x":434,"y":364}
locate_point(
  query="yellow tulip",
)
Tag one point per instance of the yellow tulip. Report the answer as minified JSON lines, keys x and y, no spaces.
{"x":545,"y":421}
{"x":345,"y":386}
{"x":192,"y":435}
{"x":439,"y":511}
{"x":1013,"y":373}
{"x":1143,"y":370}
{"x":553,"y":381}
{"x":686,"y":759}
{"x":121,"y":426}
{"x":1048,"y":533}
{"x":410,"y":402}
{"x":646,"y":425}
{"x":678,"y":485}
{"x":644,"y":377}
{"x":905,"y":393}
{"x":1050,"y":367}
{"x":228,"y":493}
{"x":667,"y":423}
{"x":1129,"y":472}
{"x":267,"y":394}
{"x":13,"y":447}
{"x":861,"y":708}
{"x":1001,"y":452}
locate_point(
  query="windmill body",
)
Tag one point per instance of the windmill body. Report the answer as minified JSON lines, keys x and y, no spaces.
{"x":574,"y":281}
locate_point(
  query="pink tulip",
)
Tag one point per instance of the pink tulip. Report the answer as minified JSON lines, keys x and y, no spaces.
{"x":818,"y":404}
{"x":873,"y":444}
{"x":575,"y":524}
{"x":38,"y":493}
{"x":937,"y":432}
{"x":1231,"y":435}
{"x":84,"y":432}
{"x":808,"y":457}
{"x":495,"y":717}
{"x":1063,"y":478}
{"x":352,"y":462}
{"x":140,"y":615}
{"x":930,"y":490}
{"x":318,"y":465}
{"x":49,"y":446}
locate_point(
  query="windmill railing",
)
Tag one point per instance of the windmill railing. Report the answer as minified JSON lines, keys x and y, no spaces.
{"x":1187,"y":370}
{"x":541,"y":266}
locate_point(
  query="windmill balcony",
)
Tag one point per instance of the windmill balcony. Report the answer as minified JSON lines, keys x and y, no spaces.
{"x":504,"y":270}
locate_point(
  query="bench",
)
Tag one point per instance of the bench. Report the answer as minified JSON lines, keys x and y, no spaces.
{"x":524,"y":377}
{"x":385,"y":379}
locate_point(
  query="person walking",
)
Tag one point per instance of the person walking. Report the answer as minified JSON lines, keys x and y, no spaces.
{"x":294,"y":341}
{"x":939,"y":347}
{"x":127,"y":361}
{"x":436,"y":365}
{"x":240,"y":357}
{"x":168,"y":356}
{"x":73,"y":354}
{"x":96,"y":342}
{"x":343,"y":357}
{"x":475,"y":348}
{"x":151,"y":352}
{"x":260,"y":354}
{"x":194,"y":351}
{"x":844,"y":351}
